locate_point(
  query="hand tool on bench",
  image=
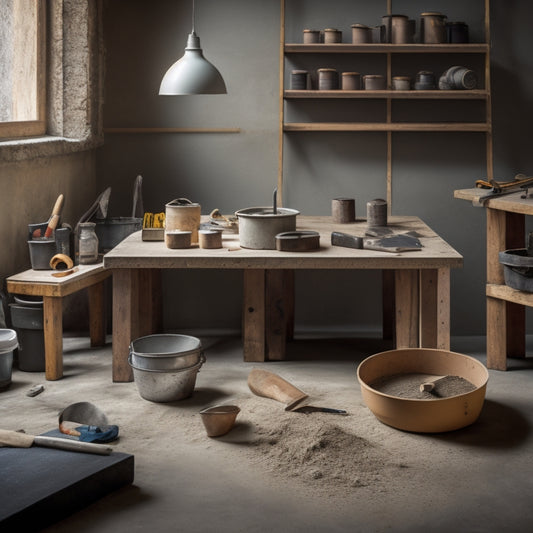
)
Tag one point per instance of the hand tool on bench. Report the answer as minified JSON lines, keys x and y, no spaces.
{"x":15,"y":439}
{"x":402,"y":242}
{"x":270,"y":385}
{"x":502,"y":188}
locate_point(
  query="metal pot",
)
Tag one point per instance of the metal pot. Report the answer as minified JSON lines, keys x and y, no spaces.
{"x":258,"y":226}
{"x":166,"y":385}
{"x":165,"y":352}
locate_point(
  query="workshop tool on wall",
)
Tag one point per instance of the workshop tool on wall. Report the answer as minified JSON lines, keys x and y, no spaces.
{"x":270,"y":385}
{"x":96,"y":427}
{"x":502,"y":188}
{"x":400,"y":242}
{"x":16,"y":439}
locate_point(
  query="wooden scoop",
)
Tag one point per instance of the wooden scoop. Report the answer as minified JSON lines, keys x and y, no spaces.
{"x":429,"y":385}
{"x":269,"y":385}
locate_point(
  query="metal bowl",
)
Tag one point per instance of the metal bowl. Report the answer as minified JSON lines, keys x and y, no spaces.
{"x":162,"y":386}
{"x":165,"y":352}
{"x":423,"y":416}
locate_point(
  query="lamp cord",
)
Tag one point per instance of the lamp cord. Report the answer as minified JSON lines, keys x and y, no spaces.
{"x":193,"y":16}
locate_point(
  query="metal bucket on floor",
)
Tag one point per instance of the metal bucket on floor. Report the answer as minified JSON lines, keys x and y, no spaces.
{"x":8,"y":343}
{"x":165,"y":352}
{"x":162,"y":386}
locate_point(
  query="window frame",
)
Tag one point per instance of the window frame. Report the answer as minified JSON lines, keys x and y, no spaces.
{"x":38,"y":127}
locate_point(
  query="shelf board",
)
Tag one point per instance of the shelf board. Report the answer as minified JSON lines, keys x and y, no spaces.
{"x":503,"y":292}
{"x":378,"y":48}
{"x":479,"y":94}
{"x":385,"y":126}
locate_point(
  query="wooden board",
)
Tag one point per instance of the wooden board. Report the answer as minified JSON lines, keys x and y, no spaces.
{"x":41,"y":486}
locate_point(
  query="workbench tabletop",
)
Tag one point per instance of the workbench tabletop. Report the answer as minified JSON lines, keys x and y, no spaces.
{"x":512,"y":203}
{"x":132,"y":252}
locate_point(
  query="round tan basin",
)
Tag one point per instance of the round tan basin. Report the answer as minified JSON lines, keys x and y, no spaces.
{"x":423,"y":416}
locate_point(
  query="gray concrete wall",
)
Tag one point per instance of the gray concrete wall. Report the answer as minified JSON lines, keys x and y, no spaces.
{"x":231,"y":171}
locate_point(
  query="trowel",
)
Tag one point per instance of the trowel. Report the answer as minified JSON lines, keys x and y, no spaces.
{"x":399,"y":242}
{"x":270,"y":385}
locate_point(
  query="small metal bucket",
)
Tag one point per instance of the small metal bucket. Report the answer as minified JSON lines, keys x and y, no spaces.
{"x":162,"y":386}
{"x":165,"y":352}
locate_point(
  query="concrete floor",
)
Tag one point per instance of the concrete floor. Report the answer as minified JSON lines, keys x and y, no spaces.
{"x":478,"y":479}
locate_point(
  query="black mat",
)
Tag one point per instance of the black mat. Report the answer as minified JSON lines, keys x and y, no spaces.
{"x":40,"y":486}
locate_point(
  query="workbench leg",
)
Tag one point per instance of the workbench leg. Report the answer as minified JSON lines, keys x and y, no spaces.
{"x":407,"y":308}
{"x":505,"y":320}
{"x":253,"y":329}
{"x":387,"y":299}
{"x":150,"y":301}
{"x":53,"y":337}
{"x":435,"y":308}
{"x":97,"y":324}
{"x":125,"y":320}
{"x":279,"y":298}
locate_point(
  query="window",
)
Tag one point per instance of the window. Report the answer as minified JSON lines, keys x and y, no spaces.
{"x":22,"y":68}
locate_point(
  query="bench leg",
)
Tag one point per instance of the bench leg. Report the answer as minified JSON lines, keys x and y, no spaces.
{"x":53,"y":337}
{"x":407,"y":313}
{"x":96,"y":314}
{"x":279,"y":312}
{"x":253,"y":327}
{"x":125,"y":320}
{"x":435,"y":308}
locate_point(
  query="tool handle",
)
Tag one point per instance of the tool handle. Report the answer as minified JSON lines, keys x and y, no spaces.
{"x":346,"y":240}
{"x":58,"y":206}
{"x":71,"y":445}
{"x":330,"y":410}
{"x":52,"y":225}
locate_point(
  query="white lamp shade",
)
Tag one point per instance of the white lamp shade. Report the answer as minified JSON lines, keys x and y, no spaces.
{"x":192,"y":74}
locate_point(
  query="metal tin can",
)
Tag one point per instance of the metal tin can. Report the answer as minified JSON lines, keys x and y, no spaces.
{"x":376,"y":213}
{"x":332,"y":35}
{"x":432,"y":28}
{"x":374,"y":82}
{"x":328,"y":79}
{"x":299,"y":80}
{"x":361,"y":34}
{"x":401,"y":83}
{"x":457,"y":32}
{"x":311,"y":36}
{"x":398,"y":29}
{"x":351,"y":81}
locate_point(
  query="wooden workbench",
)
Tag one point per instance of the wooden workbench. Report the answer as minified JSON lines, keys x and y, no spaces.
{"x":53,"y":290}
{"x":421,"y":298}
{"x":505,"y":217}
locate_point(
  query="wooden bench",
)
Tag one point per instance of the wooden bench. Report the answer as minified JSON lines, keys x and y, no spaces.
{"x":53,"y":289}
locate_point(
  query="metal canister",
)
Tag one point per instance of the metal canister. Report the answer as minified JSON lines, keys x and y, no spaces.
{"x":401,"y":83}
{"x":376,"y":213}
{"x":457,"y":32}
{"x":328,"y":79}
{"x":398,"y":29}
{"x":343,"y":210}
{"x":332,"y":35}
{"x":299,"y":80}
{"x":432,"y":28}
{"x":361,"y":34}
{"x":311,"y":36}
{"x":351,"y":81}
{"x":374,"y":82}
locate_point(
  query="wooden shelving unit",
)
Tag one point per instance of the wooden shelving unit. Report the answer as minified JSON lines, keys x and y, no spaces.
{"x":506,"y":229}
{"x":388,"y":125}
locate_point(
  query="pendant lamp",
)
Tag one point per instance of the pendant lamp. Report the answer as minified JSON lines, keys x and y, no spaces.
{"x":192,"y":74}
